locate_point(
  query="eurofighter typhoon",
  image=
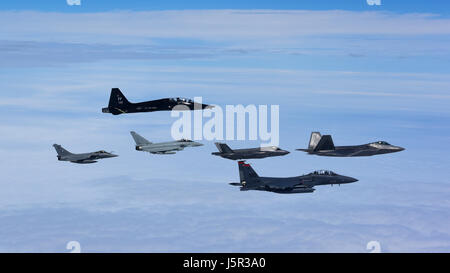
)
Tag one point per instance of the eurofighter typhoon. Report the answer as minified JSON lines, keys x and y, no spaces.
{"x":165,"y":148}
{"x":118,"y":104}
{"x":250,"y":180}
{"x":226,"y":152}
{"x":86,"y":158}
{"x":324,"y":146}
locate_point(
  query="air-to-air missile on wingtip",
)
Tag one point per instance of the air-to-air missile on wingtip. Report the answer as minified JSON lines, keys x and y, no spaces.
{"x":118,"y":104}
{"x":324,"y":146}
{"x":250,"y":180}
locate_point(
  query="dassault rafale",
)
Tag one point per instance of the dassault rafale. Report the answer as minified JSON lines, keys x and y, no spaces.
{"x":85,"y":158}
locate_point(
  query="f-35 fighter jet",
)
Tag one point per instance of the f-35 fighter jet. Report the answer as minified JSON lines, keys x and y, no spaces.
{"x":165,"y":148}
{"x":261,"y":152}
{"x":86,"y":158}
{"x":324,"y":146}
{"x":249,"y":180}
{"x":118,"y":104}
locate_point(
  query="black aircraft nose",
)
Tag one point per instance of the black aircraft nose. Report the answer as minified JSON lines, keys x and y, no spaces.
{"x":351,"y":179}
{"x":347,"y":179}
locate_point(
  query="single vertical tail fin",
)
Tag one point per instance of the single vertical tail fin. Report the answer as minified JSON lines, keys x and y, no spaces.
{"x":117,"y":103}
{"x":60,"y":150}
{"x":117,"y":99}
{"x":325,"y":143}
{"x":246,"y":172}
{"x":314,"y":140}
{"x":139,"y":139}
{"x":223,"y":148}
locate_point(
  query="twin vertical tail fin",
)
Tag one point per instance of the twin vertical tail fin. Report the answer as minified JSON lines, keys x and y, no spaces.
{"x":223,"y":148}
{"x":314,"y":140}
{"x":140,"y":141}
{"x":317,"y":142}
{"x":246,"y":172}
{"x":325,"y":143}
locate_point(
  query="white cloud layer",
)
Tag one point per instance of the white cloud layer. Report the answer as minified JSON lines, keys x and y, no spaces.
{"x":220,"y":25}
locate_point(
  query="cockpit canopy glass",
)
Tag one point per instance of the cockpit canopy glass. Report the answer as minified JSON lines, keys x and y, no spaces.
{"x":382,"y":143}
{"x":184,"y":140}
{"x":182,"y":100}
{"x":323,"y":172}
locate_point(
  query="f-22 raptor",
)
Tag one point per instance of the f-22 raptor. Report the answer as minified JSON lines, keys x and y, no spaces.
{"x":324,"y":146}
{"x":118,"y":104}
{"x":226,"y":152}
{"x":250,"y":180}
{"x":86,"y":158}
{"x":170,"y":147}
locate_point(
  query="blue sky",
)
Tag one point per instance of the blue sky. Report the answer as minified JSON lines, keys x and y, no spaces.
{"x":361,"y":73}
{"x":433,"y":6}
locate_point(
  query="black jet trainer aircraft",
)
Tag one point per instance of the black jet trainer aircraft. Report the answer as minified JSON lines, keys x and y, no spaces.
{"x":298,"y":184}
{"x":118,"y":104}
{"x":226,"y":152}
{"x":323,"y":145}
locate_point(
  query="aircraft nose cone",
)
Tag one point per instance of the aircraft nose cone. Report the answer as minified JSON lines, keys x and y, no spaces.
{"x":348,"y":179}
{"x":400,"y":149}
{"x":206,"y":106}
{"x":351,"y":180}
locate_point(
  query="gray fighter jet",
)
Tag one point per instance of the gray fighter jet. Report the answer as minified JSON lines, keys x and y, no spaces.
{"x":165,"y":148}
{"x":261,"y":152}
{"x":323,"y":145}
{"x":249,"y":180}
{"x":86,"y":158}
